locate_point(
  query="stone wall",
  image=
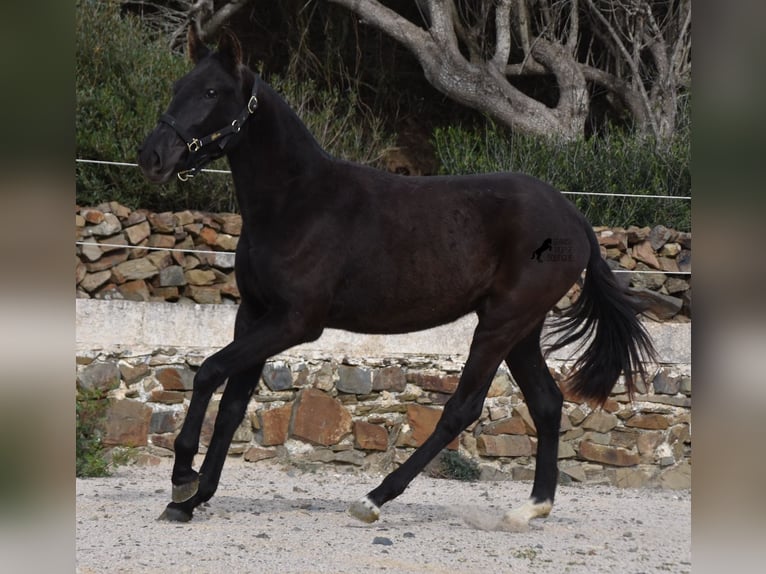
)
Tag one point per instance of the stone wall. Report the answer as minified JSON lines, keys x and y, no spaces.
{"x":143,"y":256}
{"x":359,"y":402}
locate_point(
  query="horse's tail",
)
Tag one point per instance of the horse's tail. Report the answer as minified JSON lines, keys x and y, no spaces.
{"x":619,"y":341}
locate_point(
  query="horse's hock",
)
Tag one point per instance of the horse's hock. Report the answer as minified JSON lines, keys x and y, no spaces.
{"x":368,"y":401}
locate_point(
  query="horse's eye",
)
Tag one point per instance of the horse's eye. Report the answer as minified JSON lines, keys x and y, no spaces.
{"x":210,"y":94}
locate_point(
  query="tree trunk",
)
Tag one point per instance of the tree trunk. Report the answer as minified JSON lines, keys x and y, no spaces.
{"x":484,"y":85}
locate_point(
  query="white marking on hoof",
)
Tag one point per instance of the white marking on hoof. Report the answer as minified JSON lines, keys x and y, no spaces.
{"x":517,"y":520}
{"x":365,"y":510}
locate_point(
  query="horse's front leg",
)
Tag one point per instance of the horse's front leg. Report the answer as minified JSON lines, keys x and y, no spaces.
{"x":238,"y":362}
{"x":187,"y":496}
{"x":185,"y":479}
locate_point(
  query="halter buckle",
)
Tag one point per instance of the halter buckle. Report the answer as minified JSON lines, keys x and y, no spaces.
{"x":186,"y":174}
{"x":252,"y":104}
{"x":194,"y":145}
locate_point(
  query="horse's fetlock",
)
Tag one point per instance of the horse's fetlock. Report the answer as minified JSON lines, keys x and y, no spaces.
{"x":184,"y":476}
{"x":207,"y":488}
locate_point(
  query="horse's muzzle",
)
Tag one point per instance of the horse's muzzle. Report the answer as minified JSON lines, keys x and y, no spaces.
{"x":160,"y":155}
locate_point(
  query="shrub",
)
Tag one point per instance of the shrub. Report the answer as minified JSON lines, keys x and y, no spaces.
{"x":339,"y":122}
{"x":123,"y":80}
{"x":91,"y":407}
{"x":453,"y":465}
{"x":614,"y":162}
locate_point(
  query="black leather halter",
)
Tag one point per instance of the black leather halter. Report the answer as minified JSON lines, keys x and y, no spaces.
{"x":204,"y":150}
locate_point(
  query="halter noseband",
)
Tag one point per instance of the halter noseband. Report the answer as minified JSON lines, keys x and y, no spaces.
{"x":201,"y":150}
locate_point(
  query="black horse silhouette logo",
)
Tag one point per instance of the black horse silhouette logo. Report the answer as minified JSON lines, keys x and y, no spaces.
{"x":546,"y":246}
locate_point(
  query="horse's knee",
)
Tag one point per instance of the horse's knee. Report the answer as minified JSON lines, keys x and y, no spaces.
{"x":182,"y":445}
{"x":209,"y":376}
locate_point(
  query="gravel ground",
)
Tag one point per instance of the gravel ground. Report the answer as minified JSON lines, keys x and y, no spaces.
{"x":270,"y":518}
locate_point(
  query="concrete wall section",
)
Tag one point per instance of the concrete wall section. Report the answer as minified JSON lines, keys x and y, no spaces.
{"x":120,"y":324}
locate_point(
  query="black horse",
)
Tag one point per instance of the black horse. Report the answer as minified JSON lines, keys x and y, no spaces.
{"x":328,"y":243}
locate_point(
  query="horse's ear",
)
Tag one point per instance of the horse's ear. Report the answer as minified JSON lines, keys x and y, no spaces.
{"x":195,"y":48}
{"x":231,"y":50}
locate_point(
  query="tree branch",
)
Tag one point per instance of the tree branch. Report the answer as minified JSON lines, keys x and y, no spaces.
{"x":681,"y":48}
{"x":442,"y":29}
{"x":523,"y":23}
{"x":502,"y":34}
{"x":573,"y":95}
{"x":629,"y":61}
{"x":621,"y":88}
{"x":529,"y":67}
{"x":573,"y":36}
{"x":217,"y":19}
{"x":399,"y":28}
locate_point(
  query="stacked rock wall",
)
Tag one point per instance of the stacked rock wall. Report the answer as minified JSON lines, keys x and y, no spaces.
{"x":373,"y":409}
{"x":187,"y":256}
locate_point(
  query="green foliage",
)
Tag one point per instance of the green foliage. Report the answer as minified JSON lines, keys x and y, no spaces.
{"x":91,"y":408}
{"x":340,"y":123}
{"x":123,"y":82}
{"x":123,"y":455}
{"x":453,"y":465}
{"x":614,"y":162}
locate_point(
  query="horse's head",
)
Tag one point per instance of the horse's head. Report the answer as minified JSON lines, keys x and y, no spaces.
{"x":208,"y":108}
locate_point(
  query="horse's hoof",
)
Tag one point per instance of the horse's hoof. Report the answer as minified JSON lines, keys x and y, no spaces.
{"x":175,"y":514}
{"x":183,"y":492}
{"x":517,"y":520}
{"x":365,"y":510}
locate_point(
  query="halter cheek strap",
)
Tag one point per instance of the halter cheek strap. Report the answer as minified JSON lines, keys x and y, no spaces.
{"x":204,"y":150}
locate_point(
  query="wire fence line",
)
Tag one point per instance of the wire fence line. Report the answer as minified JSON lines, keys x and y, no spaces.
{"x":593,"y":193}
{"x":128,"y":164}
{"x":147,"y":248}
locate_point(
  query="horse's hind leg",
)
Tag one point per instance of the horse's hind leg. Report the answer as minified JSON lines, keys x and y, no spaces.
{"x":544,"y":400}
{"x":490,"y":345}
{"x":231,"y":411}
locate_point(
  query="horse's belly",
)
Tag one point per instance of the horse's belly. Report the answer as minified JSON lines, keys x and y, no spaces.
{"x":371,"y":312}
{"x":392,"y":324}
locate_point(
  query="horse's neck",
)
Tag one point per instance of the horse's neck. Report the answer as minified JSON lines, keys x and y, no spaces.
{"x":277,"y":148}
